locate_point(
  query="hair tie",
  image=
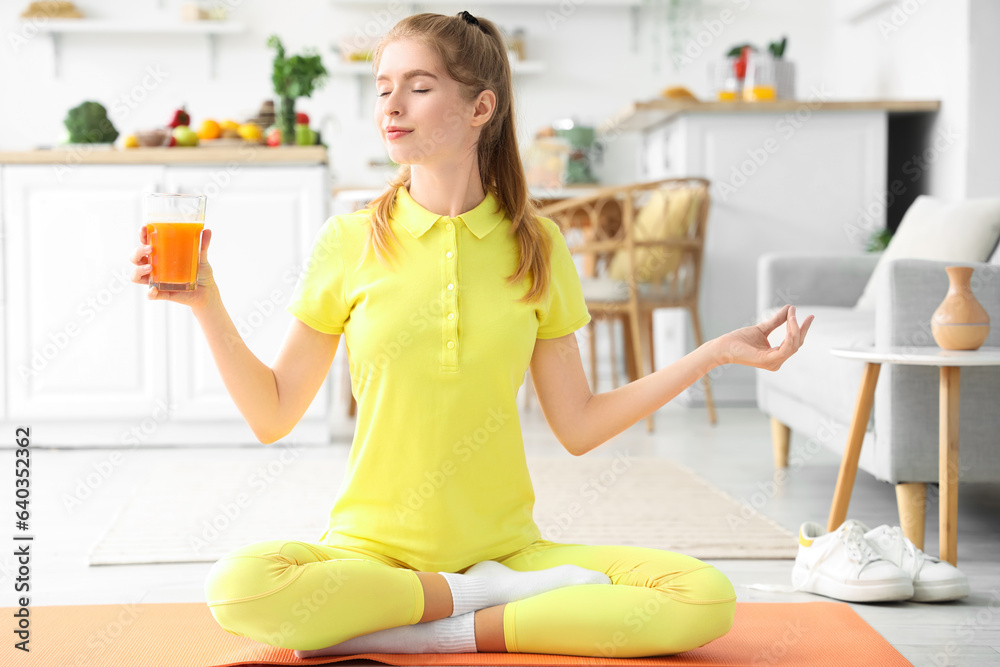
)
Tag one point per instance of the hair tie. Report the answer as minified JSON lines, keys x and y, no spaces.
{"x":468,"y":18}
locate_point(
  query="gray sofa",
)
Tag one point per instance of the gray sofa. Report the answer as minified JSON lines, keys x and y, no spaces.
{"x":814,"y":392}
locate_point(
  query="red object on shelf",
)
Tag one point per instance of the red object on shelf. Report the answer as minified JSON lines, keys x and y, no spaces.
{"x":740,"y":65}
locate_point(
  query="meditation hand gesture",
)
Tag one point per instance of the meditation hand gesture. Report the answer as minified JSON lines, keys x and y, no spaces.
{"x":749,"y":346}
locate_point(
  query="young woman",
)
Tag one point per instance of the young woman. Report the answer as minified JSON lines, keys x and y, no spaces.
{"x":447,"y":288}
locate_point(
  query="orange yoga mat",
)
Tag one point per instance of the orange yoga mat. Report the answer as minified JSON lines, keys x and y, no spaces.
{"x":186,"y":635}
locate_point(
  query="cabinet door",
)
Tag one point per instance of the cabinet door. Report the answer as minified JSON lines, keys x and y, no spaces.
{"x":83,"y":343}
{"x":263,"y":222}
{"x":3,"y":307}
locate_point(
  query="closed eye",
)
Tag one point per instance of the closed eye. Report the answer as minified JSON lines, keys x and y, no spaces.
{"x":425,"y":90}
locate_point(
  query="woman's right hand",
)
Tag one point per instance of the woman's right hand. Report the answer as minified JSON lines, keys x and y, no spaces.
{"x":197,"y":298}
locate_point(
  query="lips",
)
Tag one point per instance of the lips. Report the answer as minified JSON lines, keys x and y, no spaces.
{"x":396,"y":132}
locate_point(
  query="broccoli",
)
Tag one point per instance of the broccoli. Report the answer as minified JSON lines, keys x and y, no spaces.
{"x":89,"y":124}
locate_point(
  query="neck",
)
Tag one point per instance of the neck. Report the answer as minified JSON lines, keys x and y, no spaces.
{"x":448,"y":190}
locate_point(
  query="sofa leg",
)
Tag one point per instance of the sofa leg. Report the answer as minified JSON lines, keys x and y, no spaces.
{"x":912,"y":501}
{"x":780,"y":437}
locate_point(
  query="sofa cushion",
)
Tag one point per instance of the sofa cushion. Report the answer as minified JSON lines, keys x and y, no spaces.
{"x":933,"y":228}
{"x":815,"y":376}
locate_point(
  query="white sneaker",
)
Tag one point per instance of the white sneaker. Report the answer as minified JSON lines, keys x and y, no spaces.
{"x":842,"y":565}
{"x":934,"y":580}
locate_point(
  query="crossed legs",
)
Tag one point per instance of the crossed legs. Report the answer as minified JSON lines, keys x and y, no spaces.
{"x":309,"y":596}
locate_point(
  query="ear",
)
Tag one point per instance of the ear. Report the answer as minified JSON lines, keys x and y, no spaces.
{"x":485,"y":105}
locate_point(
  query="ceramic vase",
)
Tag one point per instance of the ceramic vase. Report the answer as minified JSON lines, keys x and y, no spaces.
{"x":960,"y":322}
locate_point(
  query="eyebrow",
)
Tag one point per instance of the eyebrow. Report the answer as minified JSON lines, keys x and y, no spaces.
{"x":409,"y":75}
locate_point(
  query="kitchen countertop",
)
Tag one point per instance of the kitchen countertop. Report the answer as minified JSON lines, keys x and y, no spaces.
{"x":246,"y":153}
{"x":642,"y":115}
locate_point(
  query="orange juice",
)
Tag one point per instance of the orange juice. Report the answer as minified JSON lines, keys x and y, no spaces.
{"x":174,"y":256}
{"x":759,"y":93}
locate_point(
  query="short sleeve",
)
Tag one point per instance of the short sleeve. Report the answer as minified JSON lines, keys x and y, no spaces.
{"x":565,"y":311}
{"x":320,"y":296}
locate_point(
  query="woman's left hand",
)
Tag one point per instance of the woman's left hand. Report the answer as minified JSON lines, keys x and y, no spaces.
{"x":749,"y":346}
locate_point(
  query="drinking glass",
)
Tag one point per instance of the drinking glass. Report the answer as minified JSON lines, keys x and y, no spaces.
{"x":761,"y":80}
{"x":173,"y":228}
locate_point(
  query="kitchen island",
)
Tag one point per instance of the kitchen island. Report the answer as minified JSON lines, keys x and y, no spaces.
{"x":85,"y":358}
{"x":810,"y":176}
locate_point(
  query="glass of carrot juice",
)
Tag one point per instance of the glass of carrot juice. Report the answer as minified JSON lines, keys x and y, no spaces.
{"x":173,"y":228}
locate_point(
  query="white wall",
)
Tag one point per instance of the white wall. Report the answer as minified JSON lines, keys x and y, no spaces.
{"x":982,"y":167}
{"x":912,"y":49}
{"x":594,"y":67}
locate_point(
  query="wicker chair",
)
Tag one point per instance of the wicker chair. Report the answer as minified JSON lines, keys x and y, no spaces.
{"x":642,"y":246}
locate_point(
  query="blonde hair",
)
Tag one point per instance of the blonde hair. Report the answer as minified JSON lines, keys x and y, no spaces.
{"x":475,"y":55}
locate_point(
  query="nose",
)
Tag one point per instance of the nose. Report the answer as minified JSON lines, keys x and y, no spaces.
{"x":391,"y":105}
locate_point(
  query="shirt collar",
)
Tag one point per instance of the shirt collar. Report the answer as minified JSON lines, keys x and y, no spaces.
{"x":416,"y":219}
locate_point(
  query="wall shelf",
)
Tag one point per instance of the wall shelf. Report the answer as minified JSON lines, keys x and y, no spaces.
{"x":56,"y":28}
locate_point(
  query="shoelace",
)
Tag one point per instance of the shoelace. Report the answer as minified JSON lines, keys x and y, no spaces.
{"x":853,"y":539}
{"x":895,"y":542}
{"x":858,"y":548}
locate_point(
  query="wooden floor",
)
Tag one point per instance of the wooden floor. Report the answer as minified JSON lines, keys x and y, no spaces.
{"x":735,"y":455}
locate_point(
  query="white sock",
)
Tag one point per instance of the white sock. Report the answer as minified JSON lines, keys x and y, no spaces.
{"x":491,"y":583}
{"x":445,"y":635}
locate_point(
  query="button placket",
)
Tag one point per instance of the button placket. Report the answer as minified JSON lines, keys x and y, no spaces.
{"x":450,"y":295}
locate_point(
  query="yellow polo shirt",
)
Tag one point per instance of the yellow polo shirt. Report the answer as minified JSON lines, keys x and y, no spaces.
{"x":438,"y":347}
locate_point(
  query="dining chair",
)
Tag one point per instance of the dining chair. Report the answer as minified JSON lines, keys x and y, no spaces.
{"x":641,"y":250}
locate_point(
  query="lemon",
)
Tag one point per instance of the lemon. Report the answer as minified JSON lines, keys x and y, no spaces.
{"x":251,"y":131}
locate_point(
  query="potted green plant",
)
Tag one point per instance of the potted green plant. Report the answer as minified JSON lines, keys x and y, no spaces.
{"x":294,"y":77}
{"x":784,"y":70}
{"x":879,"y":239}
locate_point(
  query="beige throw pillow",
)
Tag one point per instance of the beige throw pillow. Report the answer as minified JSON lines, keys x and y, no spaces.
{"x":933,"y":228}
{"x":668,"y":214}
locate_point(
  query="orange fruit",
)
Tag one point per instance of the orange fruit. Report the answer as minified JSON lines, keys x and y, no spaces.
{"x":209,"y":130}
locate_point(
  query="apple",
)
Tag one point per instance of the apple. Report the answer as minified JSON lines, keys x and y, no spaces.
{"x":304,"y":136}
{"x":185,"y":136}
{"x":301,"y":118}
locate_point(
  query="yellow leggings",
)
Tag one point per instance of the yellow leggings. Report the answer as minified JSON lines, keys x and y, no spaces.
{"x":306,"y":596}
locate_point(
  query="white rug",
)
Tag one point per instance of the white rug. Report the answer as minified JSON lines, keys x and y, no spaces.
{"x":198,"y":514}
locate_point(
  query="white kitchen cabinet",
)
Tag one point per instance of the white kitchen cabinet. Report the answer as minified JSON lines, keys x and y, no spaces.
{"x":88,"y":359}
{"x":3,"y":310}
{"x":778,"y":185}
{"x":82,"y":343}
{"x":263,"y":223}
